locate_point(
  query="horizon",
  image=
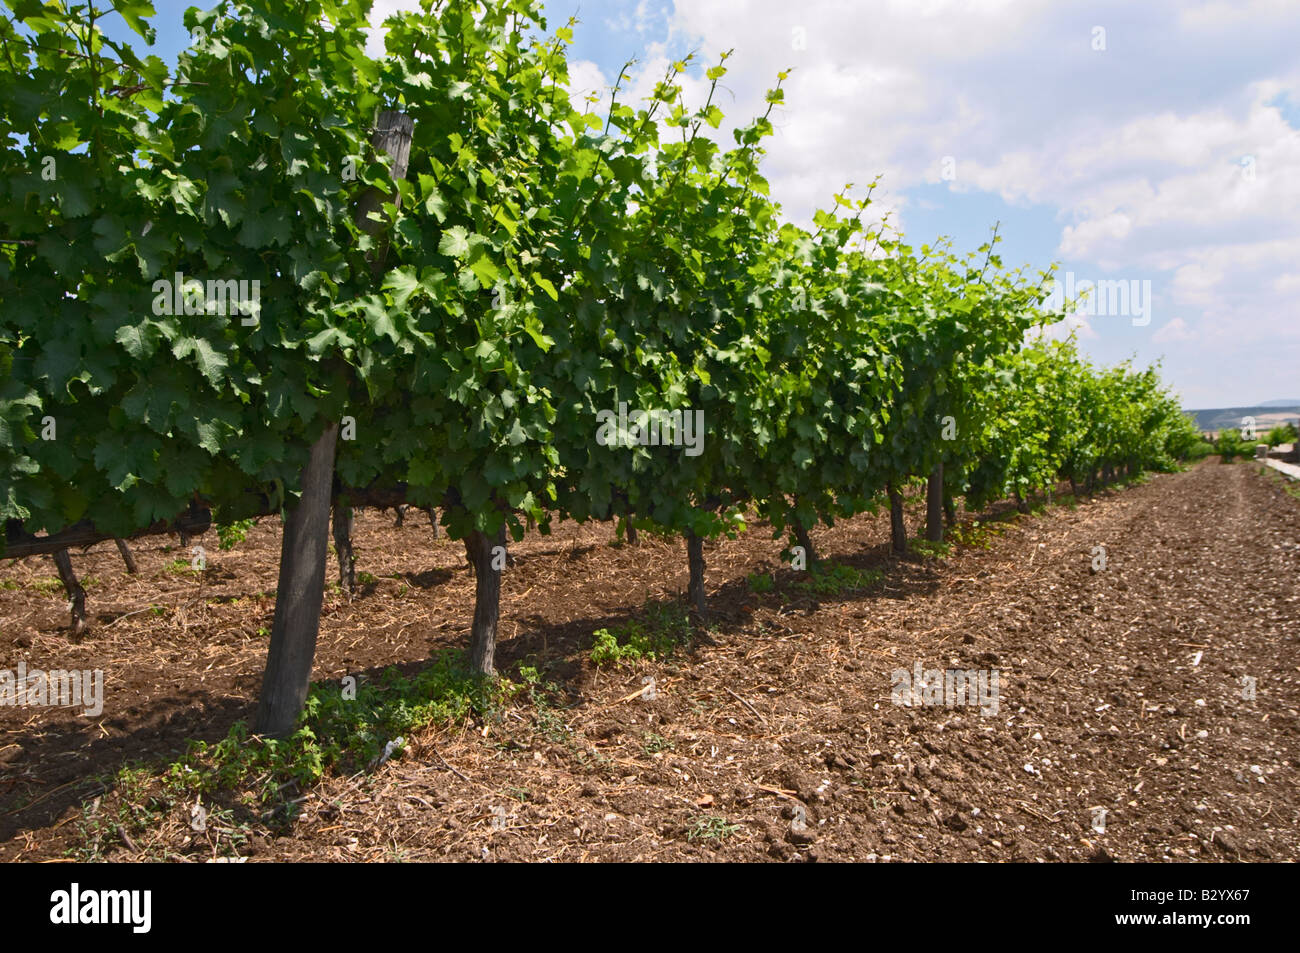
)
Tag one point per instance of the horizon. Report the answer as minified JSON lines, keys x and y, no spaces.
{"x":1274,"y":404}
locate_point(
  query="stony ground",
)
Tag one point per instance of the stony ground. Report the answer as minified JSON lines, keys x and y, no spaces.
{"x":1146,"y":709}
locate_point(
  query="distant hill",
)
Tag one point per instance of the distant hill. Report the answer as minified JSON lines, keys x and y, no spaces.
{"x":1266,"y":416}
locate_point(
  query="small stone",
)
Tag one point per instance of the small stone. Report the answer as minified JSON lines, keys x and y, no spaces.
{"x":800,"y":836}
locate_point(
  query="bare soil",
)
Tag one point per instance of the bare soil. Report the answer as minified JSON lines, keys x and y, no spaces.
{"x":1124,"y":689}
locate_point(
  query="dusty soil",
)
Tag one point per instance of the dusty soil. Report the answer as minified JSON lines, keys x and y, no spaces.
{"x":1125,"y":689}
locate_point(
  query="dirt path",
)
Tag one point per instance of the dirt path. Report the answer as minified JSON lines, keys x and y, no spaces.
{"x":1124,"y":689}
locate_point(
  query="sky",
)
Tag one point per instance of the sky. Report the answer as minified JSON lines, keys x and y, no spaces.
{"x":1155,"y":144}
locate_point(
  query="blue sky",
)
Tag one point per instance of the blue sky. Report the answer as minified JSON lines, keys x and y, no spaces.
{"x":1154,"y":142}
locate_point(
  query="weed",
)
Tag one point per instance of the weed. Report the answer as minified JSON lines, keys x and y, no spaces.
{"x":832,"y":579}
{"x":231,"y":535}
{"x":666,"y":626}
{"x":338,"y":731}
{"x":655,"y":743}
{"x":135,"y":810}
{"x":710,"y":827}
{"x":931,"y":549}
{"x":760,"y":581}
{"x":546,"y":720}
{"x":976,"y":534}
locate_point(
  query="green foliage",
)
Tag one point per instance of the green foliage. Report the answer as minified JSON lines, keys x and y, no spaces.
{"x":1285,"y":433}
{"x":544,"y":265}
{"x":605,"y":648}
{"x":710,"y":827}
{"x":663,"y":628}
{"x":231,"y":535}
{"x":137,"y":808}
{"x":1199,"y":450}
{"x":542,"y":695}
{"x":1049,"y":415}
{"x":833,"y":579}
{"x":930,"y":548}
{"x":976,"y":534}
{"x":656,"y":743}
{"x":761,"y":581}
{"x":1231,"y":445}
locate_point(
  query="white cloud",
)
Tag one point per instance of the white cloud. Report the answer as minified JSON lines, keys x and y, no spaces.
{"x":1072,"y":325}
{"x":585,"y":79}
{"x":1174,"y":330}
